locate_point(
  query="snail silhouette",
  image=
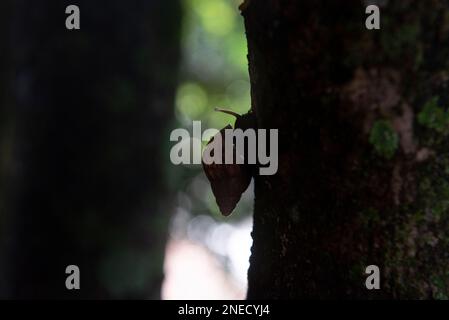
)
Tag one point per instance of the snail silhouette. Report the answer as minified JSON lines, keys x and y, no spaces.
{"x":229,"y":181}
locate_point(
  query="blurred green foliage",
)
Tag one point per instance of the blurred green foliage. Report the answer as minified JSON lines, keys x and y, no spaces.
{"x":214,"y":73}
{"x":215,"y":68}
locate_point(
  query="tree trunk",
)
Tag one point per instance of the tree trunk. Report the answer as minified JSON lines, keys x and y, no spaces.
{"x":5,"y":131}
{"x":364,"y":166}
{"x":92,"y":108}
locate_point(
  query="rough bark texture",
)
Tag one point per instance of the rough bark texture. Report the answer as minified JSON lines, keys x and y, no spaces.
{"x":91,"y":108}
{"x":364,"y":165}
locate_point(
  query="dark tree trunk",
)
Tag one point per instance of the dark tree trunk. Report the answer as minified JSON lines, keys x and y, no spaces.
{"x":92,"y":107}
{"x":5,"y":131}
{"x":364,"y":166}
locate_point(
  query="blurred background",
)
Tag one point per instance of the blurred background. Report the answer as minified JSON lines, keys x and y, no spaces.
{"x":207,"y":255}
{"x":85,"y":173}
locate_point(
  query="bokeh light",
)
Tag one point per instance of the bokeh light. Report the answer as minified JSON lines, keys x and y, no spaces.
{"x":207,"y":255}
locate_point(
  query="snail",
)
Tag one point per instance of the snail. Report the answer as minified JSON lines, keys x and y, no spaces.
{"x":230,"y":181}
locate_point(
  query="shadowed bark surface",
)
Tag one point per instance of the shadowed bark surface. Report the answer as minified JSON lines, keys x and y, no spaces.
{"x":364,"y":164}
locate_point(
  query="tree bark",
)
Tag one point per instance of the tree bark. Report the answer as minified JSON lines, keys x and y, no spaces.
{"x":364,"y":170}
